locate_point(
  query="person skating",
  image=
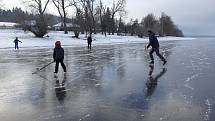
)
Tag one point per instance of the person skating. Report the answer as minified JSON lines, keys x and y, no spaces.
{"x":58,"y":56}
{"x":16,"y":41}
{"x":153,"y":42}
{"x":89,"y":41}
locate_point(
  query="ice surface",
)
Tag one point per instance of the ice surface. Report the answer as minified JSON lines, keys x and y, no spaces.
{"x":110,"y":83}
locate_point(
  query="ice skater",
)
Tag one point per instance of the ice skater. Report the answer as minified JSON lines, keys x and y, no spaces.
{"x":89,"y":41}
{"x":16,"y":41}
{"x":58,"y":56}
{"x":153,"y":42}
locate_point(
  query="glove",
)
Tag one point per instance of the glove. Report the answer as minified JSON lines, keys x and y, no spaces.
{"x":146,"y":48}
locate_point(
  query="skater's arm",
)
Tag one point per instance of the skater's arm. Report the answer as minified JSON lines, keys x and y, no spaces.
{"x":54,"y":54}
{"x":20,"y":41}
{"x":148,"y":44}
{"x":151,"y":41}
{"x":63,"y":52}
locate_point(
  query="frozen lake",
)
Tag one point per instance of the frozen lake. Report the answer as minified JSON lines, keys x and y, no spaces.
{"x":110,"y":83}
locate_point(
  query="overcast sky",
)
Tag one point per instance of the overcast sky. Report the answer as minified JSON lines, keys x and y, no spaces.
{"x":194,"y":17}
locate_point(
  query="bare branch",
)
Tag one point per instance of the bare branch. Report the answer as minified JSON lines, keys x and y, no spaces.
{"x":45,"y":6}
{"x":57,"y":5}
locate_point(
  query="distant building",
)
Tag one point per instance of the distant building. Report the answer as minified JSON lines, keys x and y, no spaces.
{"x":8,"y":25}
{"x":30,"y":23}
{"x":70,"y":27}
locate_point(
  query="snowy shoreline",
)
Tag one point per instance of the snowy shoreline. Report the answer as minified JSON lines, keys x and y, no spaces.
{"x":29,"y":41}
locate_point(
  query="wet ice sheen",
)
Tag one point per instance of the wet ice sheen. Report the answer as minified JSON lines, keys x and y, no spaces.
{"x":110,"y":83}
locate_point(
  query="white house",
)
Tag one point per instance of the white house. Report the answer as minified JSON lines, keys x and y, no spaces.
{"x":7,"y":25}
{"x":70,"y":26}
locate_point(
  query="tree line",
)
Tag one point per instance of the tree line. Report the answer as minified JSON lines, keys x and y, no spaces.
{"x":91,"y":16}
{"x":17,"y":15}
{"x":162,"y":26}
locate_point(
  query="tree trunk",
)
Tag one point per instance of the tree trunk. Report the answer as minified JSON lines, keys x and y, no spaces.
{"x":113,"y":25}
{"x":64,"y":25}
{"x":64,"y":17}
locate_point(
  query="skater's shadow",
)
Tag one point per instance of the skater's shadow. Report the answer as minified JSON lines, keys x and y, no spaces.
{"x":153,"y":80}
{"x":60,"y":89}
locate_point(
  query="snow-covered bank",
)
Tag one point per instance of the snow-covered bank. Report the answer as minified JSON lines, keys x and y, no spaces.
{"x":8,"y":35}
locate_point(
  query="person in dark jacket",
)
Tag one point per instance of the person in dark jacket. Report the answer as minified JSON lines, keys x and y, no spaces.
{"x":89,"y":41}
{"x":16,"y":41}
{"x":58,"y":56}
{"x":153,"y":42}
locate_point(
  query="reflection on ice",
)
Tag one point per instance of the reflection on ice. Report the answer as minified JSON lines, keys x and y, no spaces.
{"x":153,"y":80}
{"x":60,"y":88}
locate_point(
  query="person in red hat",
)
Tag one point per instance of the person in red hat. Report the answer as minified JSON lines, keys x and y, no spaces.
{"x":58,"y":56}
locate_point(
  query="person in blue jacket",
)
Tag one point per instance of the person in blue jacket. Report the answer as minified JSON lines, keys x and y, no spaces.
{"x":16,"y":41}
{"x":89,"y":41}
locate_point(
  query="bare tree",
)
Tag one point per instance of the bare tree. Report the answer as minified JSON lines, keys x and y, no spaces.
{"x":102,"y":17}
{"x":91,"y":6}
{"x":61,"y":6}
{"x":1,"y":5}
{"x":87,"y":9}
{"x":39,"y":7}
{"x":167,"y":25}
{"x":150,"y":22}
{"x":95,"y":14}
{"x":117,"y":8}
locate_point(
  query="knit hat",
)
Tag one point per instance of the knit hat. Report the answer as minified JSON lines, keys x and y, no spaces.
{"x":57,"y":44}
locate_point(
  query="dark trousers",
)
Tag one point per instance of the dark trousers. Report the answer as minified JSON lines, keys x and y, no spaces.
{"x":89,"y":45}
{"x":156,"y":50}
{"x":57,"y":65}
{"x":16,"y":46}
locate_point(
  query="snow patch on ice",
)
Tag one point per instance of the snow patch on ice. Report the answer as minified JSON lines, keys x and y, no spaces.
{"x":207,"y":114}
{"x":192,"y":77}
{"x":86,"y":116}
{"x":188,"y":80}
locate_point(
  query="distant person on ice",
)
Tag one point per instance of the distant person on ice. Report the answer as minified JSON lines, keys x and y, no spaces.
{"x":58,"y":56}
{"x":89,"y":41}
{"x":153,"y":42}
{"x":16,"y":41}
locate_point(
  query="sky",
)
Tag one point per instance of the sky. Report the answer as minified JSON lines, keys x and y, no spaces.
{"x":193,"y":17}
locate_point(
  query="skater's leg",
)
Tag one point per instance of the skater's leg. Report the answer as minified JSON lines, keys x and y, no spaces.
{"x":159,"y":55}
{"x":151,"y":55}
{"x":90,"y":45}
{"x":56,"y":66}
{"x":16,"y":46}
{"x":63,"y":65}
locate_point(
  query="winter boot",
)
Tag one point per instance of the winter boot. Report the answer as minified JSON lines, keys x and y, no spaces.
{"x":164,"y":62}
{"x":152,"y":62}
